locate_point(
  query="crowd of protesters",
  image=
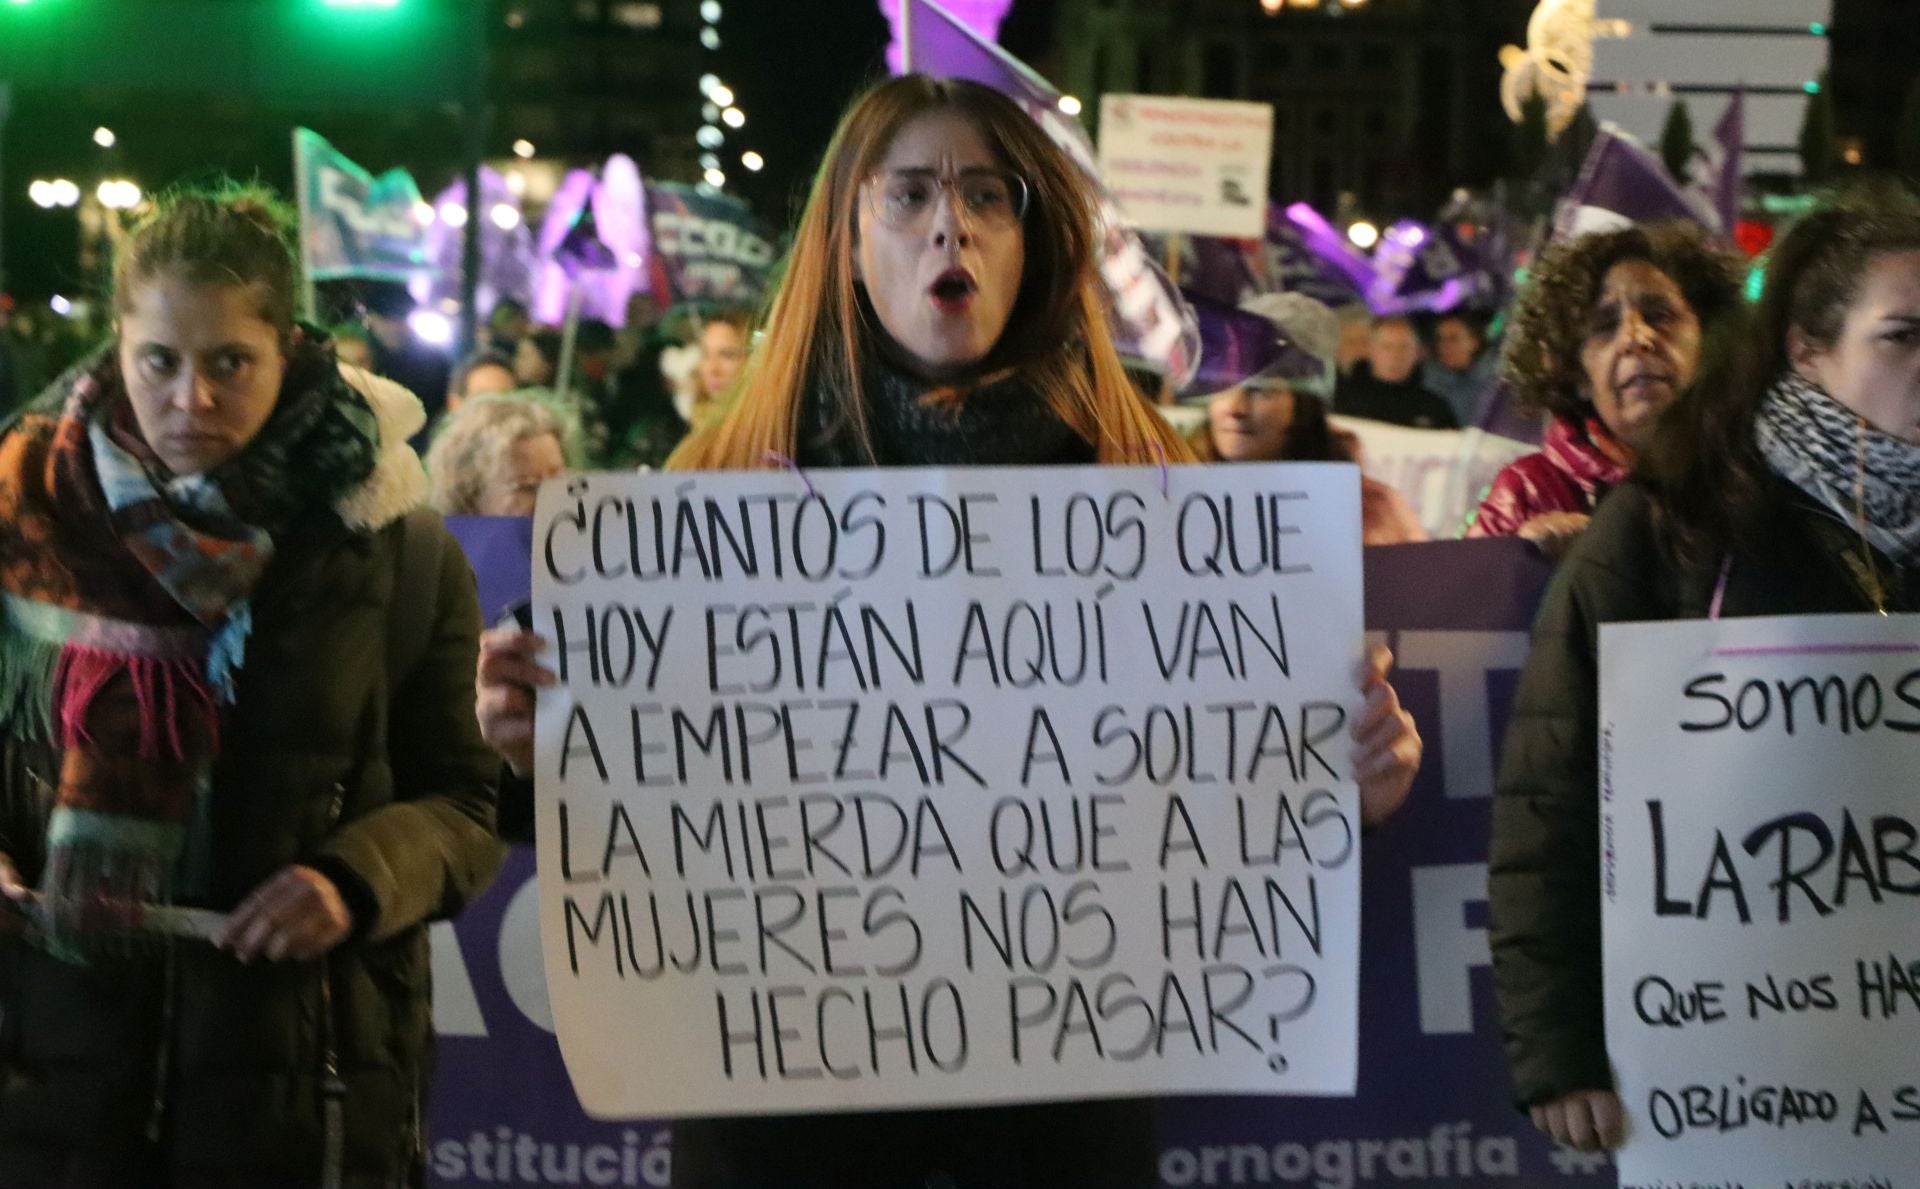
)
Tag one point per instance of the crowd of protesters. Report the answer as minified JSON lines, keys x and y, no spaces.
{"x":218,"y":479}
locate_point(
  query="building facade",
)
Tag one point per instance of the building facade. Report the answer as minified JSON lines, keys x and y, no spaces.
{"x":1701,"y":53}
{"x":1381,"y":107}
{"x":580,"y":79}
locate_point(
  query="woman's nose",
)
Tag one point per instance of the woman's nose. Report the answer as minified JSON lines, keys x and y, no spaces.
{"x":950,"y":226}
{"x":1638,"y":331}
{"x":193,"y":393}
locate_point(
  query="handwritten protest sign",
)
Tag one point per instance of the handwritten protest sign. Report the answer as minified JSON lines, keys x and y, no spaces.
{"x":1759,"y":877}
{"x":1192,"y":165}
{"x":927,"y":787}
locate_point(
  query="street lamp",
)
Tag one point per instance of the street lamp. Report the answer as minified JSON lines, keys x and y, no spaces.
{"x":1363,"y":235}
{"x":753,"y":161}
{"x":523,"y":149}
{"x":733,"y":117}
{"x":104,"y":137}
{"x":118,"y":194}
{"x":721,"y":95}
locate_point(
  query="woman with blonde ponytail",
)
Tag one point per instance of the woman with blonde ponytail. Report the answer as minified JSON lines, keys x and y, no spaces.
{"x":941,"y":307}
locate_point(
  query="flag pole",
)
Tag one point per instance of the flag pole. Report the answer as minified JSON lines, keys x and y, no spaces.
{"x":906,"y":36}
{"x":302,"y":179}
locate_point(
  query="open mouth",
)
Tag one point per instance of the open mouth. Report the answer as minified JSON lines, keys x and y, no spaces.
{"x":952,"y":290}
{"x":1645,"y":381}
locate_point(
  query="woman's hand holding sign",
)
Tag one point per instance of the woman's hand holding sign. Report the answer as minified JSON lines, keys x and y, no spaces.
{"x":1387,"y":744}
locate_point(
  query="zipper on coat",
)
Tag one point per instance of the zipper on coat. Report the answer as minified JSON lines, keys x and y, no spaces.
{"x":333,"y":1089}
{"x":163,"y":1056}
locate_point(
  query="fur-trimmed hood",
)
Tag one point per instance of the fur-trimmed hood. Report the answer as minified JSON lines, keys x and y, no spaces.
{"x":398,"y":483}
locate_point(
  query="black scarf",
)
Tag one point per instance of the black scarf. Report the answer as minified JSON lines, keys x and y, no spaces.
{"x":1000,"y":423}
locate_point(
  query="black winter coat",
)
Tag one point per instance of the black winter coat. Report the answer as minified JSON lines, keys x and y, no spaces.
{"x":1545,"y":875}
{"x":196,"y":1069}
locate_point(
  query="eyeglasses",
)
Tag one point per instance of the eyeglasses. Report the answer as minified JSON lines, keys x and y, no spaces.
{"x":991,"y":198}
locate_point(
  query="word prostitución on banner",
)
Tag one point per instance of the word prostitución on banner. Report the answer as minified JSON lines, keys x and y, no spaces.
{"x":935,"y":787}
{"x":1760,"y":870}
{"x":709,"y":246}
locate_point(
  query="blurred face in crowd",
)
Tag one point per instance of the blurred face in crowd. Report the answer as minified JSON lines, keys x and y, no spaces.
{"x":510,"y":322}
{"x":1250,"y":423}
{"x":488,"y":378}
{"x":1356,"y":341}
{"x":1455,"y":344}
{"x":515,"y":485}
{"x":202,"y":369}
{"x":354,"y":352}
{"x":530,"y":367}
{"x":941,"y":246}
{"x":1642,"y":345}
{"x":1393,"y":352}
{"x":1873,"y":366}
{"x":723,"y":352}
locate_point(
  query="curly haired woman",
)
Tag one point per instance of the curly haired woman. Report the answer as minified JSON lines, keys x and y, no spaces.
{"x":1604,"y":339}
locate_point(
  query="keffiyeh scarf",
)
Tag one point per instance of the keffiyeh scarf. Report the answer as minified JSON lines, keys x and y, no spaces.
{"x":126,"y":598}
{"x":1868,"y":479}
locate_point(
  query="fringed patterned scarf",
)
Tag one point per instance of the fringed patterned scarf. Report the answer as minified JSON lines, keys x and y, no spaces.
{"x":1866,"y":478}
{"x":125,"y":592}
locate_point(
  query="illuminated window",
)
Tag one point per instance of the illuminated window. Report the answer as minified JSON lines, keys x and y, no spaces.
{"x":632,"y":14}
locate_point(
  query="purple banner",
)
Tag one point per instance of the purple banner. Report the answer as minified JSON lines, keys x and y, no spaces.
{"x":709,"y":246}
{"x":1432,"y":1107}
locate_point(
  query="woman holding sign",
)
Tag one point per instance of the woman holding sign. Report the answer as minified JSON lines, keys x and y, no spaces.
{"x":1788,"y":484}
{"x":238,"y":766}
{"x":941,"y":308}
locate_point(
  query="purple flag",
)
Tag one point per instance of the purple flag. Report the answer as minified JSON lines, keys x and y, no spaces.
{"x":1721,"y":177}
{"x":507,"y":257}
{"x":1153,"y":324}
{"x":1622,"y":183}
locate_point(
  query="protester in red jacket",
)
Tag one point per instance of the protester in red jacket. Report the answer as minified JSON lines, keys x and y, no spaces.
{"x":1604,"y":339}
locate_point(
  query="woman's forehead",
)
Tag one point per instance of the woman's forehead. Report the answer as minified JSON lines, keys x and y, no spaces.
{"x":939,"y":140}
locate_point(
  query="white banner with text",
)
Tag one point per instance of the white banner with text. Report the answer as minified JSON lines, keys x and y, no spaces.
{"x":872,"y":789}
{"x":1760,"y":878}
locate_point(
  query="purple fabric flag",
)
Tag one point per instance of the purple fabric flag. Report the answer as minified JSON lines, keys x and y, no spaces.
{"x":1237,"y":344}
{"x":1622,"y":183}
{"x":595,"y":239}
{"x":1153,"y":323}
{"x":507,"y":256}
{"x":1725,"y":159}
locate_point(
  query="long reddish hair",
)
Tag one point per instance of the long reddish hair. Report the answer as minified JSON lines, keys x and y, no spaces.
{"x":819,"y":326}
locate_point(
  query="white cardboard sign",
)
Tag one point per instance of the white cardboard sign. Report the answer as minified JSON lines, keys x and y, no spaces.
{"x":1760,"y":878}
{"x":1197,"y":166}
{"x":877,"y":789}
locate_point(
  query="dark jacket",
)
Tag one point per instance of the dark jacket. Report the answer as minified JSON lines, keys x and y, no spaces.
{"x":1545,"y":877}
{"x":1569,"y":474}
{"x":378,"y":779}
{"x":1407,"y":403}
